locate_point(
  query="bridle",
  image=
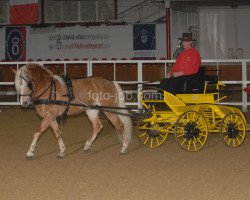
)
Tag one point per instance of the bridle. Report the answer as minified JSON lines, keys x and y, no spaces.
{"x":29,"y":83}
{"x":30,"y":86}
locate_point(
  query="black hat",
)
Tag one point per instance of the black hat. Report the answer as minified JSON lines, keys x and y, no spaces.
{"x":186,"y":37}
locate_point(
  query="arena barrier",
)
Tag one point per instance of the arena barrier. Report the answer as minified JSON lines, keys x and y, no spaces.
{"x":132,"y":75}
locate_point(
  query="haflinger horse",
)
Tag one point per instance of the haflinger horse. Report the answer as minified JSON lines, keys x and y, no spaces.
{"x":33,"y":82}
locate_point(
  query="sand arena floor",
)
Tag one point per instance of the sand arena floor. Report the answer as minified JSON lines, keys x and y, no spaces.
{"x":168,"y":172}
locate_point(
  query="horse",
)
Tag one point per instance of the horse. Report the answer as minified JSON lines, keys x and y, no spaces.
{"x":35,"y":83}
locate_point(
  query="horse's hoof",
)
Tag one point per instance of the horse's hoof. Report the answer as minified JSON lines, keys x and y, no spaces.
{"x":87,"y":150}
{"x":123,"y":152}
{"x":29,"y":157}
{"x":60,"y":156}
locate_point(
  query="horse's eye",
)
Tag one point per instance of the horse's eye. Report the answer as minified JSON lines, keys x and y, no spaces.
{"x":20,"y":82}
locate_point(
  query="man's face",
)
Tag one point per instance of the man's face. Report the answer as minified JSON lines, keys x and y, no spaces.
{"x":186,"y":44}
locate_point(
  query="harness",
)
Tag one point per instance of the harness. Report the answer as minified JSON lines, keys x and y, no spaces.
{"x":51,"y":100}
{"x":52,"y":97}
{"x":70,"y":96}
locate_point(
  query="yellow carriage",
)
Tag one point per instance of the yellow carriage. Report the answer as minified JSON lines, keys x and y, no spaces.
{"x":190,"y":117}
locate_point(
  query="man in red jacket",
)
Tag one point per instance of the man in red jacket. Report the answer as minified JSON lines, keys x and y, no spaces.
{"x":187,"y":64}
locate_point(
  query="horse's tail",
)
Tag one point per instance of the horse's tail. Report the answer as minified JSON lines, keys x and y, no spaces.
{"x":128,"y":128}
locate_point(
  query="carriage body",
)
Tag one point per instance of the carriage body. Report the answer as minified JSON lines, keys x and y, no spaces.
{"x":191,"y":117}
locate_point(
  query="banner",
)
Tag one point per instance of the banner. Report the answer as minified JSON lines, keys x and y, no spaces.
{"x":144,"y":44}
{"x":23,"y":11}
{"x":15,"y":44}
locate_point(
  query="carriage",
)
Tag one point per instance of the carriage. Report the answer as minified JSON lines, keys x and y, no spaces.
{"x":190,"y":116}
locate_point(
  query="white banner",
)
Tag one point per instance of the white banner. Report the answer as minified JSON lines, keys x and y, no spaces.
{"x":86,"y":42}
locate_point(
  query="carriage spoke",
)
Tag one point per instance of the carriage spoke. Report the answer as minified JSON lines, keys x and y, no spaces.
{"x":231,"y":117}
{"x":192,"y":116}
{"x":183,"y":141}
{"x":146,"y":140}
{"x":201,"y":124}
{"x":189,"y":143}
{"x":235,"y":119}
{"x":142,"y":135}
{"x":199,"y":141}
{"x":238,"y":140}
{"x":238,"y":123}
{"x":194,"y":143}
{"x":151,"y":142}
{"x":183,"y":121}
{"x":234,"y":142}
{"x":181,"y":135}
{"x":225,"y":137}
{"x":202,"y":128}
{"x":202,"y":135}
{"x":157,"y":140}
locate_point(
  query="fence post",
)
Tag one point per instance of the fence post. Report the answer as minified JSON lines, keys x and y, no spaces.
{"x":139,"y":68}
{"x":89,"y":68}
{"x":244,"y":85}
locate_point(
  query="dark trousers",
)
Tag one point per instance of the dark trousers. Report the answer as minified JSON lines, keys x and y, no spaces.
{"x":174,"y":84}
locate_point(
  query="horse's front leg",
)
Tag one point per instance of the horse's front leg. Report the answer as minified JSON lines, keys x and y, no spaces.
{"x":47,"y":120}
{"x":57,"y":133}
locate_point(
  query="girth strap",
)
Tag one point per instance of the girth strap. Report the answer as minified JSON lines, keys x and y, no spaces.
{"x":68,"y":82}
{"x":71,"y":97}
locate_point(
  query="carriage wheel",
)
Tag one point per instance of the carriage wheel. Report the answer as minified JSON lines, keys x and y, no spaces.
{"x":191,"y":131}
{"x":150,"y":134}
{"x":233,"y":130}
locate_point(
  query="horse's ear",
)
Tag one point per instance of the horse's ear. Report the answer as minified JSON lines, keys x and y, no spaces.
{"x":13,"y":71}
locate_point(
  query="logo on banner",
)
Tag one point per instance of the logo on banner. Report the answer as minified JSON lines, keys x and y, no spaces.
{"x":144,"y":40}
{"x":15,"y":44}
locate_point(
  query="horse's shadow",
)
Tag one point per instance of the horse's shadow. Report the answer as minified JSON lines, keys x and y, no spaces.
{"x":76,"y":150}
{"x":67,"y":146}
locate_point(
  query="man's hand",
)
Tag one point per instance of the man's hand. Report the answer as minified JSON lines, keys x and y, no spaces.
{"x":176,"y":74}
{"x":168,"y":75}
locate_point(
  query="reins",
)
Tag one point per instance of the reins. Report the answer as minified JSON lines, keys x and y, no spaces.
{"x":71,"y":98}
{"x":52,"y":100}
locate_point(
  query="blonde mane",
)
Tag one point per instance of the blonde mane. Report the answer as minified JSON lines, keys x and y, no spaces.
{"x":60,"y":79}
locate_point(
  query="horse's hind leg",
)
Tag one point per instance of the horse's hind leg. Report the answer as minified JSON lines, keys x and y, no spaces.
{"x":57,"y":133}
{"x":119,"y":126}
{"x":96,"y":126}
{"x":43,"y":127}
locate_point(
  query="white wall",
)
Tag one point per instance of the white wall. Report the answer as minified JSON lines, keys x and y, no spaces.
{"x":161,"y":41}
{"x":223,"y":31}
{"x":243,"y":32}
{"x":181,"y":22}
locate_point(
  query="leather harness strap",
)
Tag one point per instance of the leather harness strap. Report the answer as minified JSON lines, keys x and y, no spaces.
{"x":52,"y":97}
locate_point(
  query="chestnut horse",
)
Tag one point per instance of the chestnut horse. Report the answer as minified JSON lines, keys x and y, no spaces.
{"x":34,"y":82}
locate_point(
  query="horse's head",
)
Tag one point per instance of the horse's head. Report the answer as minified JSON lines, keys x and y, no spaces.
{"x":30,"y":82}
{"x":23,"y":85}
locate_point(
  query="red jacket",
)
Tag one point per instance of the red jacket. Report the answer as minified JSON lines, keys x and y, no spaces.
{"x":188,"y":62}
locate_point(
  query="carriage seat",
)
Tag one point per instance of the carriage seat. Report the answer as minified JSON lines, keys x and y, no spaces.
{"x":196,"y":83}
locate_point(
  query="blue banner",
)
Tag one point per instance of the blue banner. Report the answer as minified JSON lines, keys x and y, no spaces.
{"x":15,"y":43}
{"x":144,"y":40}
